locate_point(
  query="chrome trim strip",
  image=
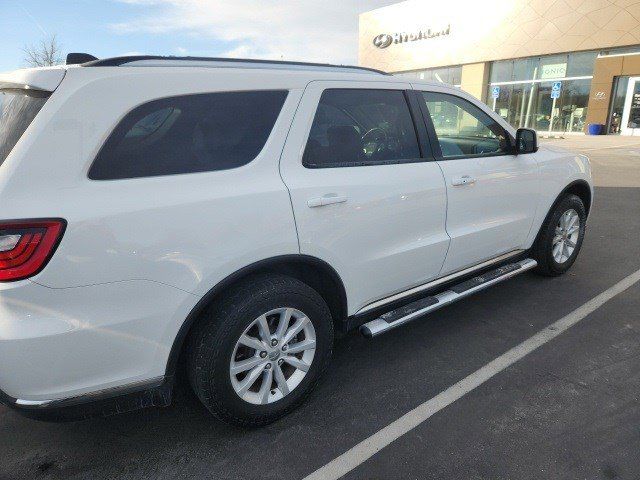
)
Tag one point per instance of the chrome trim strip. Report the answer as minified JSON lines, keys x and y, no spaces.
{"x":436,"y":282}
{"x":33,"y":403}
{"x":378,"y":326}
{"x":92,"y":396}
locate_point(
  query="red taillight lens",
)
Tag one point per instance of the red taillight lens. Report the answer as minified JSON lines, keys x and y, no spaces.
{"x":26,"y":246}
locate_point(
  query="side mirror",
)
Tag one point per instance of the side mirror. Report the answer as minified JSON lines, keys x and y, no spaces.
{"x":526,"y":141}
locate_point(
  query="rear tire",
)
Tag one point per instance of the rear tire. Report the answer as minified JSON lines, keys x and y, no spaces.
{"x":249,"y":336}
{"x":560,"y":237}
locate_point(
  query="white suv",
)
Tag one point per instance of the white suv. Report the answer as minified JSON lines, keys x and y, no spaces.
{"x":222,"y":219}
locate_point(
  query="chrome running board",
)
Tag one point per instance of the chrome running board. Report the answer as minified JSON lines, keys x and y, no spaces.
{"x":412,"y":311}
{"x":438,"y":281}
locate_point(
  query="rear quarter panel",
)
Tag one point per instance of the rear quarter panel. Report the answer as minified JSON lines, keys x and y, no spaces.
{"x":188,"y":231}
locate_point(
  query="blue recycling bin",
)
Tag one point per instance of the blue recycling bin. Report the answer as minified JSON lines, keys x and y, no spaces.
{"x":596,"y":128}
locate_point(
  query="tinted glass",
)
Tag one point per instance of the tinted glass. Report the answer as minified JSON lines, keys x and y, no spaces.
{"x":530,"y":105}
{"x":617,"y":104}
{"x":581,"y":63}
{"x":191,"y":133}
{"x":361,"y":127}
{"x":464,"y":129}
{"x":18,"y":108}
{"x":525,"y":68}
{"x":501,"y":71}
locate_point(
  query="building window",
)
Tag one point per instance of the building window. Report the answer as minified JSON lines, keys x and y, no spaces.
{"x":448,"y":75}
{"x":633,"y":49}
{"x":520,"y":91}
{"x":531,"y":105}
{"x":614,"y":123}
{"x":540,"y":68}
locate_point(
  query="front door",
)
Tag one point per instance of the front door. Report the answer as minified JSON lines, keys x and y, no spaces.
{"x":631,"y":111}
{"x":366,"y":197}
{"x":492,"y":193}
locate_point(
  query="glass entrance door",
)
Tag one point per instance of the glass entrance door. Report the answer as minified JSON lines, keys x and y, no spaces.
{"x":631,"y":112}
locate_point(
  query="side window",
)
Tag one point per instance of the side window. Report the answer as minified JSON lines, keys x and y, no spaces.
{"x":361,"y":127}
{"x":463,"y":129}
{"x":189,"y":133}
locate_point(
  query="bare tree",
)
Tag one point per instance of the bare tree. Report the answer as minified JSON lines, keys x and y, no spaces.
{"x":48,"y":52}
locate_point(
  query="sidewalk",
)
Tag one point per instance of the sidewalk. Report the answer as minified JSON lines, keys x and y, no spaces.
{"x":615,"y":160}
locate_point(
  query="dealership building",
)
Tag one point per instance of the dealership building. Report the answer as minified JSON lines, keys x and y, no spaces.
{"x":552,"y":65}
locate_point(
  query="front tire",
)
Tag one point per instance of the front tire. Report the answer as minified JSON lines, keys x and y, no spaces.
{"x":258,"y":352}
{"x":560,"y":237}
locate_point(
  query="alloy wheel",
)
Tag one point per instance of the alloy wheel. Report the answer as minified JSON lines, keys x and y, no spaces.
{"x":272,"y":356}
{"x":566,"y":236}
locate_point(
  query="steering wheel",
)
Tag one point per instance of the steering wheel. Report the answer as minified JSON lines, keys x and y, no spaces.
{"x":373,"y":131}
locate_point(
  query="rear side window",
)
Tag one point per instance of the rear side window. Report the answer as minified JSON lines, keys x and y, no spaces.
{"x":190,"y":133}
{"x":361,"y":127}
{"x":18,"y":108}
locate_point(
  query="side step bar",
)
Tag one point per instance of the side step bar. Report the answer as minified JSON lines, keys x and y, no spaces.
{"x":402,"y":315}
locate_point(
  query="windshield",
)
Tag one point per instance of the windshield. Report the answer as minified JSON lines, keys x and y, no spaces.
{"x":18,"y":108}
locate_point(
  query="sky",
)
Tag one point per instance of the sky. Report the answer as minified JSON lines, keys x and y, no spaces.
{"x":302,"y":30}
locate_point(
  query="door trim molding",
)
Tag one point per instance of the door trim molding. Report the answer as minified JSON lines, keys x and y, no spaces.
{"x":436,"y":282}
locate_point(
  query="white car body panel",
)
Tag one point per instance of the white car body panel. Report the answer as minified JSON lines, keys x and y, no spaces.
{"x":392,"y":220}
{"x":148,"y":228}
{"x":501,"y":211}
{"x":494,"y":214}
{"x":42,"y":78}
{"x":138,"y":254}
{"x":558,"y":168}
{"x":59,"y":343}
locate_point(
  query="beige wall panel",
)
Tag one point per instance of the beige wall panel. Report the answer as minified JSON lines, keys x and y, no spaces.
{"x":602,"y":16}
{"x":625,"y":3}
{"x":634,"y":9}
{"x":493,"y":30}
{"x":631,"y":65}
{"x":474,"y":79}
{"x":596,"y":116}
{"x":606,"y":68}
{"x":599,"y":104}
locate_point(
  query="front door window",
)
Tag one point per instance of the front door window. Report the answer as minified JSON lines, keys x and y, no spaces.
{"x":463,"y":129}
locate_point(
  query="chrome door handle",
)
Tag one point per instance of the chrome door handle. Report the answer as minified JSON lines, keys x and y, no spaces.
{"x":328,"y":199}
{"x":463,"y":180}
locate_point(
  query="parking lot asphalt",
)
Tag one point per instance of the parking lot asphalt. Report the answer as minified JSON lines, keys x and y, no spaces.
{"x":570,"y":409}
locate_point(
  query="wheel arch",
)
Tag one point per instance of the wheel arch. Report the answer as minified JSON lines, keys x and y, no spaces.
{"x":316,"y":273}
{"x":580,"y":188}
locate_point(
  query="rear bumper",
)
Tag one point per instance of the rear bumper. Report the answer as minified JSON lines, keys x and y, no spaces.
{"x":154,"y":393}
{"x":62,"y":347}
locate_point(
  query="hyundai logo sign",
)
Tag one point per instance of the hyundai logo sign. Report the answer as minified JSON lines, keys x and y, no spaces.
{"x":384,"y":40}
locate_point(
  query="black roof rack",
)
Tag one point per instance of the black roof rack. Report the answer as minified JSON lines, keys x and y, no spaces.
{"x":78,"y":58}
{"x":118,"y":61}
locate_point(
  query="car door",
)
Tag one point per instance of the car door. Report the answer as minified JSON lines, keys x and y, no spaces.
{"x":366,"y":194}
{"x":492,"y":193}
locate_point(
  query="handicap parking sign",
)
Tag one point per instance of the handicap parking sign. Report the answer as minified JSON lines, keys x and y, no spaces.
{"x":555,"y":89}
{"x":495,"y":92}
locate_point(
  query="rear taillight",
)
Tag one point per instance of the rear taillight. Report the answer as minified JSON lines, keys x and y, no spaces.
{"x":26,"y":246}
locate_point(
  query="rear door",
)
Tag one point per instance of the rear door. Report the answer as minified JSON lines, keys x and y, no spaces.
{"x":366,"y":197}
{"x":492,"y":193}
